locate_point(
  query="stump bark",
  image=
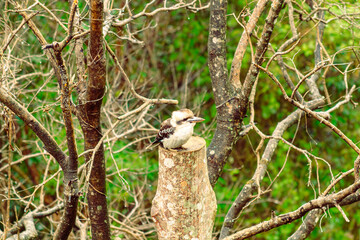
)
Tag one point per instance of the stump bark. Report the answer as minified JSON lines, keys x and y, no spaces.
{"x":184,"y":206}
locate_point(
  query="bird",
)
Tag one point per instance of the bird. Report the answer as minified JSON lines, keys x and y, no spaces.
{"x":177,"y":130}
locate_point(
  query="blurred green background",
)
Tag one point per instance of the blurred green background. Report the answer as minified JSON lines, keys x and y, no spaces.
{"x":171,"y":62}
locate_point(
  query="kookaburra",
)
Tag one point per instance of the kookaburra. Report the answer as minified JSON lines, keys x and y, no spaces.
{"x":177,"y":130}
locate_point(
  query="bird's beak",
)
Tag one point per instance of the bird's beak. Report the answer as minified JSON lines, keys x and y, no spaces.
{"x":195,"y":119}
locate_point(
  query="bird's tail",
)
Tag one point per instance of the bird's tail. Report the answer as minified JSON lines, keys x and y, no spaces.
{"x":152,"y":145}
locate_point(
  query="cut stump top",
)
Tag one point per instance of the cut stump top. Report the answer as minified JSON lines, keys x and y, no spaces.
{"x":194,"y":144}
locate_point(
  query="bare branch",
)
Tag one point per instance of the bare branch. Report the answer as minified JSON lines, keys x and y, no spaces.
{"x":12,"y":34}
{"x":243,"y":42}
{"x":70,"y":174}
{"x":357,"y":168}
{"x":26,"y":224}
{"x":317,"y":68}
{"x":143,"y":13}
{"x":312,"y":113}
{"x":277,"y":221}
{"x":252,"y":185}
{"x":144,"y":99}
{"x":262,"y":47}
{"x":58,"y":47}
{"x":49,"y":143}
{"x":40,"y":38}
{"x":52,"y":15}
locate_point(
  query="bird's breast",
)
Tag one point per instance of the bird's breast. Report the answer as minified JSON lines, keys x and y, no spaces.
{"x":179,"y":138}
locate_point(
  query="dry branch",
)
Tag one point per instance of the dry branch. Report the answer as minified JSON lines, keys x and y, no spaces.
{"x":49,"y":143}
{"x":311,"y":73}
{"x":25,"y":227}
{"x":277,"y":221}
{"x":131,"y":86}
{"x":312,"y":113}
{"x":58,"y":47}
{"x":143,"y":13}
{"x":52,"y":15}
{"x":261,"y":48}
{"x":243,"y":42}
{"x":40,"y":38}
{"x":13,"y":33}
{"x":70,"y":174}
{"x":246,"y":193}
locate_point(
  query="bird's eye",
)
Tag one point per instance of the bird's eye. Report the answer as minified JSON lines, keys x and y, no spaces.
{"x":185,"y":120}
{"x":182,"y":121}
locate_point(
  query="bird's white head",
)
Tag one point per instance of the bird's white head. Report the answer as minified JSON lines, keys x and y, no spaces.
{"x":184,"y":117}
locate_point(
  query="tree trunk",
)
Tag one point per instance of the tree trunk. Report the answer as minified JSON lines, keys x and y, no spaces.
{"x":185,"y":205}
{"x":90,"y":113}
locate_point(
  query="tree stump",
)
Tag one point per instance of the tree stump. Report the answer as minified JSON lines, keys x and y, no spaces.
{"x":184,"y":206}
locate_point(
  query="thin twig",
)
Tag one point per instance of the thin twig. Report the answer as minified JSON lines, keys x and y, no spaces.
{"x":312,"y":113}
{"x":131,"y":87}
{"x":143,"y":13}
{"x":317,"y":68}
{"x":12,"y":34}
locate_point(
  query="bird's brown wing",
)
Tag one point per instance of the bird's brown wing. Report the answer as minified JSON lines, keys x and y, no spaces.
{"x":165,"y":131}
